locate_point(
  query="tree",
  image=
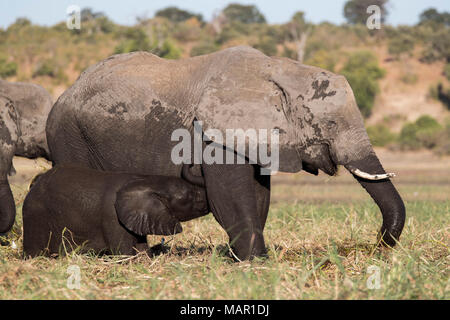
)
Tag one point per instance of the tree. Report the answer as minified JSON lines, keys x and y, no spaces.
{"x":362,"y":72}
{"x":176,"y":15}
{"x":243,"y":13}
{"x":299,"y":30}
{"x":355,"y":11}
{"x":87,"y":14}
{"x":433,"y":16}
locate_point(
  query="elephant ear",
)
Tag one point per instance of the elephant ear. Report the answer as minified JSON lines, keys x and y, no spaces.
{"x":143,"y":212}
{"x":240,"y":94}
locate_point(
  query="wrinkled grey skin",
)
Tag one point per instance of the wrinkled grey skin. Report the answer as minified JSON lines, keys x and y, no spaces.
{"x":120,"y":114}
{"x":104,"y":212}
{"x":24,"y":109}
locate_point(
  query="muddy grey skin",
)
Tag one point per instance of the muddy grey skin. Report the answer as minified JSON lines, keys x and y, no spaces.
{"x":120,"y":114}
{"x":24,"y":108}
{"x":104,"y":212}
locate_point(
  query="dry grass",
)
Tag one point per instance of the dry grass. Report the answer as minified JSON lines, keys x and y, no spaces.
{"x":320,"y":235}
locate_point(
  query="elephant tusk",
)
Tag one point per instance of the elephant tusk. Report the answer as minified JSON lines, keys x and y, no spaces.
{"x":369,"y":176}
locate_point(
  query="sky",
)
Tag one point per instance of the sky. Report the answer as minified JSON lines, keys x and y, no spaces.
{"x":50,"y":12}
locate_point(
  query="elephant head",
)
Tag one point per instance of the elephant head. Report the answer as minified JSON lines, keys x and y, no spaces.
{"x":320,"y":126}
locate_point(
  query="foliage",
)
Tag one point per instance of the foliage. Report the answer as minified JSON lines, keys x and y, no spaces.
{"x":443,"y":140}
{"x":204,"y":47}
{"x":267,"y":45}
{"x":447,"y":71}
{"x":233,"y":30}
{"x":380,"y":135}
{"x":7,"y":68}
{"x":289,"y":53}
{"x":323,"y":59}
{"x":189,"y":30}
{"x":401,"y":45}
{"x":176,"y":15}
{"x":423,"y":133}
{"x":355,"y":11}
{"x":88,"y":14}
{"x":437,"y":47}
{"x":431,"y":15}
{"x":243,"y":13}
{"x":45,"y":68}
{"x":135,"y":40}
{"x":168,"y":50}
{"x":362,"y":72}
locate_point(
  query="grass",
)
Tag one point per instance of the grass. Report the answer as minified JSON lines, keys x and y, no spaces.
{"x":318,"y":249}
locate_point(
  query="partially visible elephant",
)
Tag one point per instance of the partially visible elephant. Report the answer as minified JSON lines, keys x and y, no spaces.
{"x":24,"y":108}
{"x":121,"y":113}
{"x":105,"y":212}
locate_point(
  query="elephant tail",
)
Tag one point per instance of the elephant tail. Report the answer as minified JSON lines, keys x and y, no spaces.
{"x":187,"y":175}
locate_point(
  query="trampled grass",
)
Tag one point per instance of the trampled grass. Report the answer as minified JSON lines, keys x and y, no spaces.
{"x":319,"y":249}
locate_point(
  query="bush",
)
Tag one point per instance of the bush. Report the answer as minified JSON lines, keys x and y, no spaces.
{"x":447,"y":71}
{"x":438,"y":47}
{"x":289,"y":53}
{"x":168,"y":50}
{"x":268,"y":45}
{"x":7,"y":69}
{"x":380,"y":135}
{"x":443,"y":141}
{"x":232,"y":31}
{"x":203,"y":47}
{"x":362,"y":72}
{"x":45,"y":68}
{"x":135,"y":40}
{"x":323,"y":59}
{"x":424,"y":133}
{"x":401,"y":45}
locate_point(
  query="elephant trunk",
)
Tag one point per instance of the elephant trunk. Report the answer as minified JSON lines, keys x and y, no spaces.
{"x":372,"y":177}
{"x":7,"y":206}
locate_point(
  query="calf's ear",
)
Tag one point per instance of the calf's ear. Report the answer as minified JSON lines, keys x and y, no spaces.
{"x":143,"y":212}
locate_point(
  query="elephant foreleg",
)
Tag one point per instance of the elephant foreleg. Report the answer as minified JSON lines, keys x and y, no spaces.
{"x":7,"y":206}
{"x":262,"y":191}
{"x":233,"y":199}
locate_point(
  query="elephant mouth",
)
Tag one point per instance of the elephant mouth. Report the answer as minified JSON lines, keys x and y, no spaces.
{"x":323,"y":161}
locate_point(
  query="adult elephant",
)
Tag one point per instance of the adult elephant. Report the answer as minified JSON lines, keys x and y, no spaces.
{"x":120,"y":115}
{"x":24,"y":108}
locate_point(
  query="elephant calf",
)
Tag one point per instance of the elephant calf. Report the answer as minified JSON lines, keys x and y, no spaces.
{"x":105,"y":212}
